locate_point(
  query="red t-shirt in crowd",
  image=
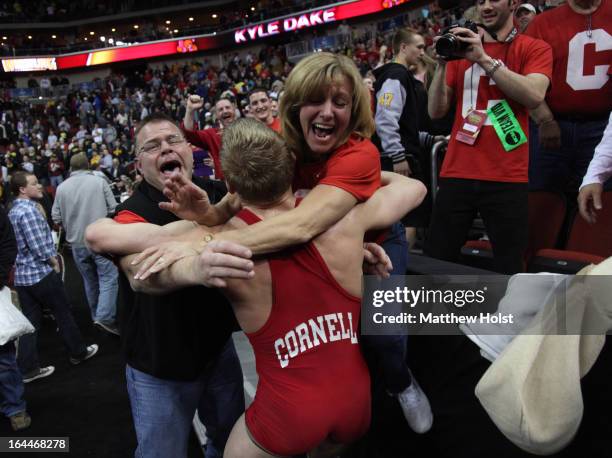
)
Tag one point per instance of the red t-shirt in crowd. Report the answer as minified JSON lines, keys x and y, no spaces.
{"x":486,"y":159}
{"x":275,"y":125}
{"x":361,"y":54}
{"x":353,"y":167}
{"x":581,"y":59}
{"x":210,"y":140}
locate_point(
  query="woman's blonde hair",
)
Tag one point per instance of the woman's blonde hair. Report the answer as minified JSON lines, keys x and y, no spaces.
{"x":310,"y":80}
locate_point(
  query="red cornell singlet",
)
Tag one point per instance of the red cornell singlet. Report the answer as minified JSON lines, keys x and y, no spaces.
{"x":313,"y":380}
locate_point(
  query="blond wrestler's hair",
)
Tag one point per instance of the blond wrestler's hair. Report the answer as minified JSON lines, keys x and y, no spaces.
{"x":256,"y":161}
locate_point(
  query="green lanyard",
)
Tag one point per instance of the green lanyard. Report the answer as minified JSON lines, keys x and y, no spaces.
{"x":506,"y":125}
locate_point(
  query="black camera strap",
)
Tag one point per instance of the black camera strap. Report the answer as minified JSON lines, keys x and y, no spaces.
{"x":509,"y":39}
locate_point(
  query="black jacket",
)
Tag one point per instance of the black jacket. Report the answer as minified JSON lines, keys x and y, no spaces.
{"x":397,"y":116}
{"x":8,"y":247}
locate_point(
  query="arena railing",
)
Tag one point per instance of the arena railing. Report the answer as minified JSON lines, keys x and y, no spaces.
{"x":436,"y":151}
{"x":55,"y":91}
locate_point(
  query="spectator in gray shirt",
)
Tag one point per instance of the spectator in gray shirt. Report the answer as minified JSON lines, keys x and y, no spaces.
{"x":80,"y":200}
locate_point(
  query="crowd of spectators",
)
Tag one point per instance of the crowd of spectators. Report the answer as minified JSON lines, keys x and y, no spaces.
{"x":70,"y":10}
{"x":43,"y":137}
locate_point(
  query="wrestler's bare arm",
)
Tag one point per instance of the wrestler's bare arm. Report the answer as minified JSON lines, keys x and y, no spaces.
{"x":390,"y":203}
{"x":179,"y":275}
{"x":108,"y":236}
{"x":218,"y":262}
{"x":221,"y":264}
{"x":340,"y":246}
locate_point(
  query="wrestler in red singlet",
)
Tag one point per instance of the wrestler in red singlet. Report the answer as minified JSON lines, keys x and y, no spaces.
{"x":313,"y":381}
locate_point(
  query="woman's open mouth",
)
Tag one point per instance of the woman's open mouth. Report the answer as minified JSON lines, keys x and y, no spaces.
{"x":322,"y":131}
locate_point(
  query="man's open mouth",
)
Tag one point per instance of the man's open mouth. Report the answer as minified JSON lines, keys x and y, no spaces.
{"x":170,"y":166}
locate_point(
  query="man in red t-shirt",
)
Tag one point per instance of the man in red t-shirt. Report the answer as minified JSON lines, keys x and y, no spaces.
{"x":488,"y":175}
{"x":260,"y":106}
{"x":572,"y":120}
{"x":209,"y":139}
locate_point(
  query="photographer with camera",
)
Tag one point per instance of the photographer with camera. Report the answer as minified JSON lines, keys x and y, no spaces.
{"x":495,"y":76}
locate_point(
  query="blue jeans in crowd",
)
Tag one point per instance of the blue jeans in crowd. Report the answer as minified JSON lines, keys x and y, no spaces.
{"x":163,"y":410}
{"x":50,"y":292}
{"x":101,"y":283}
{"x":11,"y":382}
{"x":563,"y":169}
{"x":56,"y":180}
{"x":390,"y":351}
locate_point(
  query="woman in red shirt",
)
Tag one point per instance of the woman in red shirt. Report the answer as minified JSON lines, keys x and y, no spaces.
{"x":327,"y":122}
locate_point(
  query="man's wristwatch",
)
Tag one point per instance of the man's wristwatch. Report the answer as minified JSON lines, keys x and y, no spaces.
{"x":496,"y":65}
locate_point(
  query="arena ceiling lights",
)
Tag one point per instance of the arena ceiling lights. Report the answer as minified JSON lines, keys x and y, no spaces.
{"x":291,"y":23}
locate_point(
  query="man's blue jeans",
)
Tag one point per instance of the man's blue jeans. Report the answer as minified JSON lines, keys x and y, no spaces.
{"x":11,"y":382}
{"x":563,"y":169}
{"x":100,"y":279}
{"x":390,"y":351}
{"x":164,"y":409}
{"x":56,"y":180}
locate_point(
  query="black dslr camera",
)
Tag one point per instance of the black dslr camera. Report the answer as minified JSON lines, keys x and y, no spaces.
{"x":448,"y":46}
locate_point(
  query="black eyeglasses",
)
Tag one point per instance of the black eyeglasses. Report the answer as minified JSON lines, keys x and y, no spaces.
{"x":155,"y":146}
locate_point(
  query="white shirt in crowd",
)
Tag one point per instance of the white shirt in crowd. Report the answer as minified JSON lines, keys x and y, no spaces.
{"x":600,"y":168}
{"x":28,"y":167}
{"x":97,"y":134}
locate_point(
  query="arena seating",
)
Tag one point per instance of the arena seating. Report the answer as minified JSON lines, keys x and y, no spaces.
{"x":587,"y":244}
{"x":546,"y":215}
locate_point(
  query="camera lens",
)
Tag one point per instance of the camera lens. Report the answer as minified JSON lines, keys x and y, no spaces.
{"x":446,"y":46}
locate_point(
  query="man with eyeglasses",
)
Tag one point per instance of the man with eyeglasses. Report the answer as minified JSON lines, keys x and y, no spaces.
{"x":178,"y":347}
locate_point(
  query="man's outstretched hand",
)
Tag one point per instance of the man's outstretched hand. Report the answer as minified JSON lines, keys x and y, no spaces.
{"x":187,"y":200}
